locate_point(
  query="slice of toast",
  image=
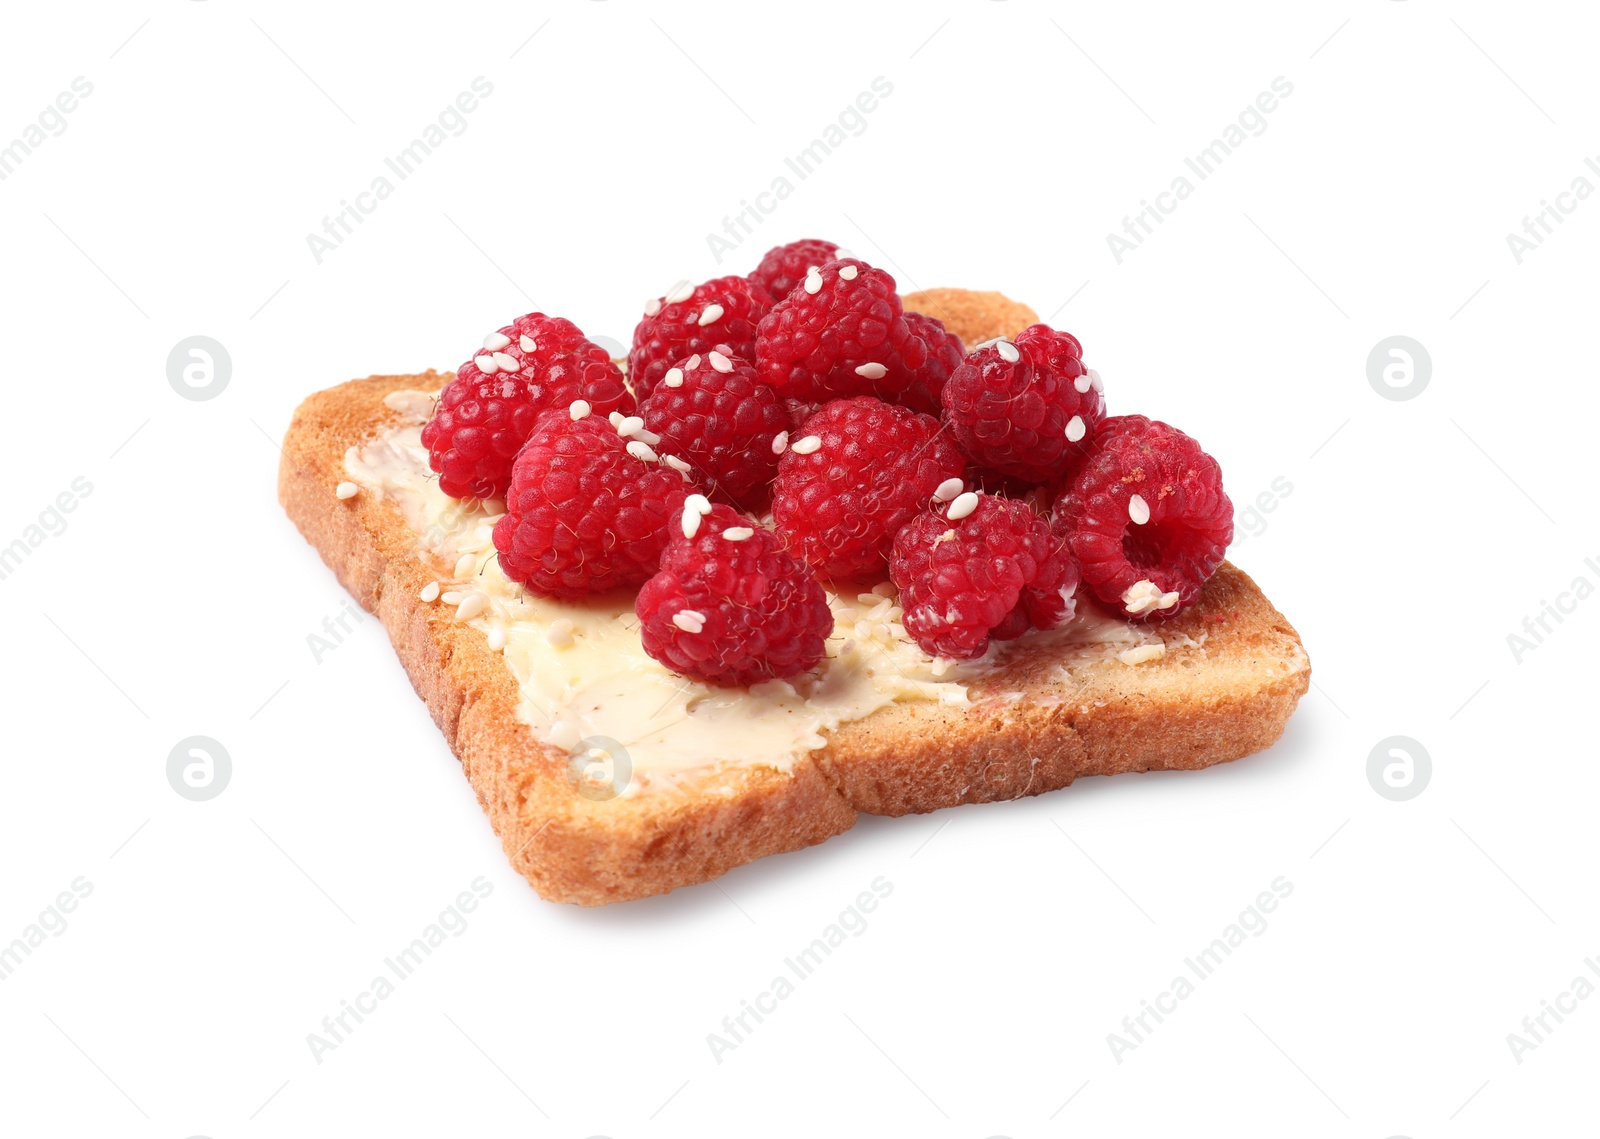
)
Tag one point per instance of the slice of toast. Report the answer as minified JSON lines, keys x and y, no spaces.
{"x":1232,"y":671}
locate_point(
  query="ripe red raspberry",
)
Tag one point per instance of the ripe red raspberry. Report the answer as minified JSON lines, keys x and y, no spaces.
{"x":921,"y":388}
{"x":978,"y":569}
{"x":858,"y":473}
{"x":711,"y":413}
{"x":686,"y":321}
{"x":729,"y":607}
{"x":1146,"y":517}
{"x":588,"y":509}
{"x":1027,"y":408}
{"x":840,"y":332}
{"x":485,"y":414}
{"x":785,"y":266}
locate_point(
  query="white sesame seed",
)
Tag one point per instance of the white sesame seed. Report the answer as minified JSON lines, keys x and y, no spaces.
{"x":681,"y":292}
{"x":689,"y":621}
{"x":1084,"y":382}
{"x":848,"y":273}
{"x":1008,"y":351}
{"x":692,"y":363}
{"x":947,"y":490}
{"x":871,"y":371}
{"x":466,"y":566}
{"x":652,"y":306}
{"x":1138,"y":510}
{"x":616,"y":418}
{"x":1142,"y":653}
{"x":559,"y":634}
{"x":965,"y":503}
{"x":737,"y":533}
{"x":528,"y":343}
{"x":506,"y":361}
{"x":673,"y":378}
{"x":700,"y":502}
{"x":649,"y":437}
{"x":486,"y":365}
{"x":580,"y":409}
{"x":807,"y":445}
{"x":495,"y":341}
{"x":474,"y":604}
{"x":347,"y":490}
{"x":1141,"y":596}
{"x":430,"y":592}
{"x":630,"y":425}
{"x":712,"y":314}
{"x":691,"y":521}
{"x":719,"y":362}
{"x":1168,"y":600}
{"x":989,"y":343}
{"x":452,"y":596}
{"x":642,"y":451}
{"x":1094,"y":378}
{"x":497,"y":638}
{"x":813,"y":281}
{"x":780,"y":442}
{"x":676,"y":464}
{"x":1075,"y":429}
{"x":840,"y":253}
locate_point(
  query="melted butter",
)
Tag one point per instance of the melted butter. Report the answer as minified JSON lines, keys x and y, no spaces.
{"x":586,"y":680}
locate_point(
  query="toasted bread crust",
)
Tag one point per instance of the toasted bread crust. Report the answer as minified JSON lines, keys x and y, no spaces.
{"x":1033,"y":728}
{"x":971,"y":315}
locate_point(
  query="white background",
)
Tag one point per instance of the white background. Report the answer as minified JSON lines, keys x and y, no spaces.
{"x":1418,"y":534}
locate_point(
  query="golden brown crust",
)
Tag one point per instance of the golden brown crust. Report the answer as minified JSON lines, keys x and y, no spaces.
{"x":973,"y":316}
{"x":1033,"y":728}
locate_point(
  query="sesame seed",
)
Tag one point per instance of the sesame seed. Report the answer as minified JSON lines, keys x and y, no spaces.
{"x":1075,"y":429}
{"x":1142,"y":653}
{"x":642,"y":451}
{"x":737,"y":533}
{"x":691,"y":521}
{"x":1083,"y":383}
{"x":430,"y":592}
{"x":676,"y":464}
{"x":692,"y":363}
{"x":1168,"y":600}
{"x":466,"y":564}
{"x":506,"y":361}
{"x":580,"y":409}
{"x":989,"y":343}
{"x":1008,"y":351}
{"x":712,"y":314}
{"x":486,"y":365}
{"x":616,"y":418}
{"x":630,"y":425}
{"x":719,"y":362}
{"x":559,"y":634}
{"x":652,"y":306}
{"x":528,"y":343}
{"x":681,"y":292}
{"x":497,"y":638}
{"x":871,"y":371}
{"x":689,"y":621}
{"x":495,"y":341}
{"x":780,"y":442}
{"x":474,"y":604}
{"x":848,"y":273}
{"x":965,"y":504}
{"x":1138,"y":510}
{"x":813,"y":281}
{"x":347,"y":490}
{"x":700,"y":502}
{"x":452,"y":596}
{"x":673,"y":378}
{"x":649,"y":437}
{"x":807,"y":445}
{"x":840,"y":253}
{"x":1094,"y":378}
{"x":947,"y":490}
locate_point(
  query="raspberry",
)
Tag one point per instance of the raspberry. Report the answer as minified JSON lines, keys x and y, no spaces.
{"x":728,"y":606}
{"x":983,"y":568}
{"x":1146,"y":517}
{"x":839,"y":333}
{"x":485,"y":414}
{"x":859,"y":472}
{"x":686,"y":321}
{"x":588,"y":510}
{"x":785,"y":266}
{"x":713,"y":414}
{"x":924,"y":387}
{"x":1026,"y":409}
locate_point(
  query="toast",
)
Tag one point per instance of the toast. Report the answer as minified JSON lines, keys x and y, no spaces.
{"x":1216,"y":682}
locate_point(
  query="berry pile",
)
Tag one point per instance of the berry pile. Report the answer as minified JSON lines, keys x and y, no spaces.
{"x":987,"y":483}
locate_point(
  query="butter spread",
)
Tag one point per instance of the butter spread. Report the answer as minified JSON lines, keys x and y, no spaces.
{"x":584,"y":675}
